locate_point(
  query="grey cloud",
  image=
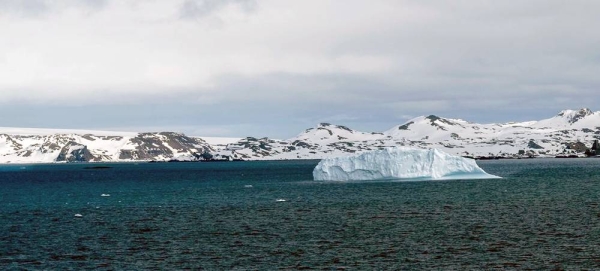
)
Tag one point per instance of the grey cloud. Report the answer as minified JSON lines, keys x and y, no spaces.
{"x":364,"y":102}
{"x":193,"y":9}
{"x":29,"y":8}
{"x":282,"y":105}
{"x":483,"y":61}
{"x":95,"y":4}
{"x":38,"y":8}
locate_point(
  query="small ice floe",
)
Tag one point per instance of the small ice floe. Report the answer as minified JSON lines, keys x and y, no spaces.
{"x":248,"y":186}
{"x":105,"y":195}
{"x":280,"y":200}
{"x":78,"y":215}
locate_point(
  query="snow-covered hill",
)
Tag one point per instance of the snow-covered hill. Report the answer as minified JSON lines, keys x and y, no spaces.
{"x":570,"y":132}
{"x":45,"y":146}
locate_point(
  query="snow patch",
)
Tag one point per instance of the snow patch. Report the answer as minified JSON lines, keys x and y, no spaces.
{"x":219,"y":142}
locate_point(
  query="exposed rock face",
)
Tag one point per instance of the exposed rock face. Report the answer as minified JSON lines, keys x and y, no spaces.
{"x":573,"y":116}
{"x":533,"y":145}
{"x":74,"y":152}
{"x":579,"y":147}
{"x":405,"y":126}
{"x":165,"y":145}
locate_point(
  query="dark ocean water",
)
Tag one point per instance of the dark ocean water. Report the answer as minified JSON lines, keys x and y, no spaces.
{"x":544,"y":214}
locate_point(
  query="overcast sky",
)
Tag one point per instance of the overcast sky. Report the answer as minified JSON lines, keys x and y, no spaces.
{"x":275,"y":67}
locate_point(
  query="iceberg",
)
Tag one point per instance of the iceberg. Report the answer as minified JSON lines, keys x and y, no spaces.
{"x":399,"y":163}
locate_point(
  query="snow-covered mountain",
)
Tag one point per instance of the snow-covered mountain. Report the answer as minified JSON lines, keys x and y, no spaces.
{"x":46,"y":146}
{"x":570,"y":132}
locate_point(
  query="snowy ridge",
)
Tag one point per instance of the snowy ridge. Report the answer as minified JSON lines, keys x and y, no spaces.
{"x":43,"y":148}
{"x":583,"y":118}
{"x":570,"y":132}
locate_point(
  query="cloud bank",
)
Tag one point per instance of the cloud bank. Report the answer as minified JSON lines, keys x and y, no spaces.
{"x":283,"y":65}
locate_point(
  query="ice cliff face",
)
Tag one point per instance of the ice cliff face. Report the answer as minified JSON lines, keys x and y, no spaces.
{"x":401,"y":164}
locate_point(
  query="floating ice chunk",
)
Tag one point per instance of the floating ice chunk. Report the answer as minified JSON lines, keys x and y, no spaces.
{"x":105,"y":195}
{"x":78,"y":215}
{"x":280,"y":200}
{"x":399,"y":163}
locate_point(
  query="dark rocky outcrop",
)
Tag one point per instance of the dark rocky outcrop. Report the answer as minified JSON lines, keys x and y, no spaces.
{"x":581,"y":113}
{"x":533,"y":145}
{"x":150,"y":146}
{"x":594,"y":150}
{"x":74,"y":152}
{"x":405,"y":126}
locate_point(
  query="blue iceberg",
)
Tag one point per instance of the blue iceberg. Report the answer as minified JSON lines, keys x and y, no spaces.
{"x":399,"y":163}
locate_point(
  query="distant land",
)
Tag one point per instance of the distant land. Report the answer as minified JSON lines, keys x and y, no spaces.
{"x":569,"y":133}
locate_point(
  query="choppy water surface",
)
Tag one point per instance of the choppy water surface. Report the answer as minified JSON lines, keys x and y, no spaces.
{"x":544,"y":214}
